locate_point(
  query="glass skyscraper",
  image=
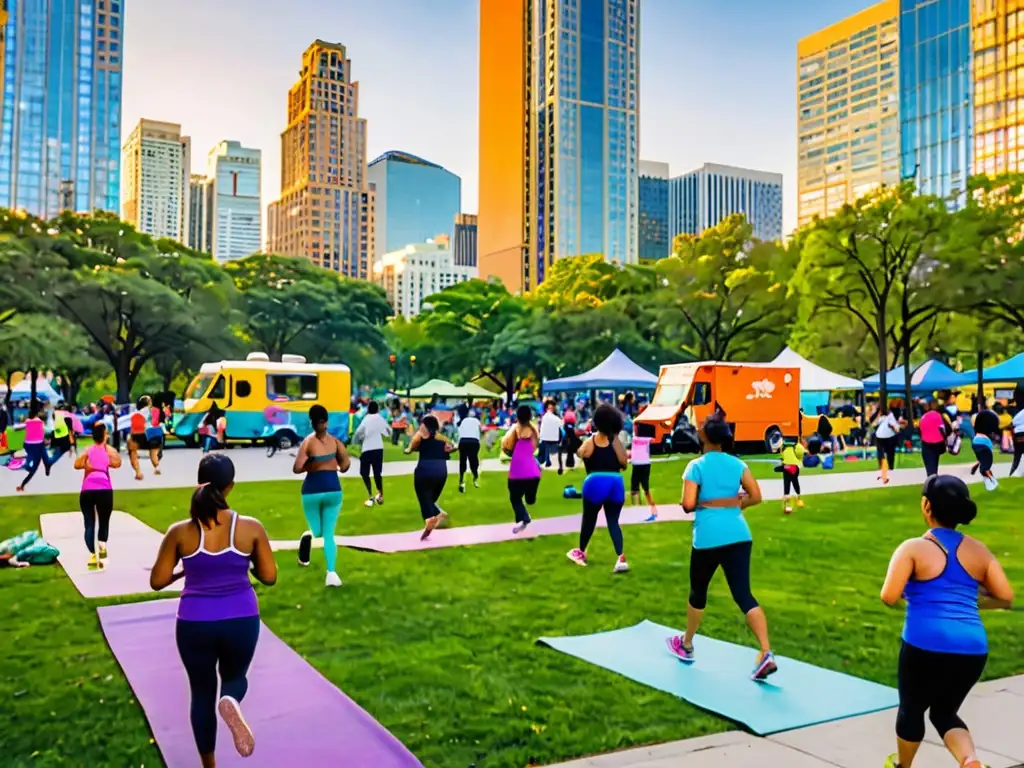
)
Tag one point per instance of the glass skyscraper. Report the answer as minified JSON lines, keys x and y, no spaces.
{"x":60,"y":134}
{"x":701,"y":199}
{"x":655,"y":238}
{"x":936,"y":109}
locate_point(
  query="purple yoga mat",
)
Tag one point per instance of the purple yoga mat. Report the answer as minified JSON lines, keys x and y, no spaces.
{"x":297,"y":716}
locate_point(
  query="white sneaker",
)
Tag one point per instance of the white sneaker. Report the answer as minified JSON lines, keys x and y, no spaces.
{"x":621,"y":566}
{"x":369,"y":503}
{"x":332,"y":580}
{"x":991,"y":483}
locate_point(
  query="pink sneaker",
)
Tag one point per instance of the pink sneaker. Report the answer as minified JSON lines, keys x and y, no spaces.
{"x":677,"y":649}
{"x":578,"y":556}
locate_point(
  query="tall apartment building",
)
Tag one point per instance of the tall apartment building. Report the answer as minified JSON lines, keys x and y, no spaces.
{"x":196,"y":237}
{"x":411,"y":274}
{"x":60,"y":108}
{"x":464,"y":250}
{"x":998,"y":37}
{"x":559,"y":134}
{"x":414,"y":199}
{"x":936,"y":109}
{"x":702,"y":198}
{"x":157,"y":170}
{"x":233,"y":209}
{"x":848,"y":110}
{"x":655,"y":238}
{"x":326,"y":210}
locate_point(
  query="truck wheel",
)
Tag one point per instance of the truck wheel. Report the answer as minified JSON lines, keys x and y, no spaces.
{"x":773,"y":439}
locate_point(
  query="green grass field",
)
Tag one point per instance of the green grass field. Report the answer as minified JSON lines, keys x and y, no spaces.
{"x":440,"y":646}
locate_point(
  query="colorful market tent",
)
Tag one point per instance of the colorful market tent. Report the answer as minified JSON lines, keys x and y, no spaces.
{"x":814,"y":378}
{"x":448,"y":391}
{"x":1011,"y":370}
{"x":44,"y":390}
{"x":930,"y":376}
{"x":616,"y":372}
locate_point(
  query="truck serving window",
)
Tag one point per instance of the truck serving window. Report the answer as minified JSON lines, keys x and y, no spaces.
{"x":701,"y":393}
{"x":671,"y":394}
{"x":292,"y":386}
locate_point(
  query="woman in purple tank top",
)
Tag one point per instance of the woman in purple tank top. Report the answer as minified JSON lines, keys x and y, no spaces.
{"x":218,"y":615}
{"x":524,"y":472}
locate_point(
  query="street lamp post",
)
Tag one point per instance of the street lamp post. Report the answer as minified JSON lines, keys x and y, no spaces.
{"x":408,"y":389}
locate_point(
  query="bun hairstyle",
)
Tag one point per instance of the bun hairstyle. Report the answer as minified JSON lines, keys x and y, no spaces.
{"x":607,"y":420}
{"x":430,"y":422}
{"x":318,"y":415}
{"x":99,"y":431}
{"x":216,"y":474}
{"x":524,"y":415}
{"x":950,"y":500}
{"x":716,"y":430}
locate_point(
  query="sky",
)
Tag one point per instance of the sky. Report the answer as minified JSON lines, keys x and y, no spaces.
{"x":717,"y":77}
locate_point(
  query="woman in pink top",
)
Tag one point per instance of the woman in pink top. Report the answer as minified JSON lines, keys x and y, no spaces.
{"x":933,"y":438}
{"x":523,"y":471}
{"x":97,"y":496}
{"x":35,"y":446}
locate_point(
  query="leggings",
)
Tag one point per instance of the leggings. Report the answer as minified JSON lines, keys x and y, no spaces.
{"x":322,"y":510}
{"x":469,"y":454}
{"x":984,"y":456}
{"x":206,"y":649}
{"x":372,"y":460}
{"x":790,"y":481}
{"x":885,"y":447}
{"x":735,"y":562}
{"x":428,"y":488}
{"x":937,"y":683}
{"x":1018,"y":452}
{"x":35,"y":454}
{"x":605,"y":490}
{"x":521,"y":493}
{"x":930,"y":453}
{"x":96,"y":506}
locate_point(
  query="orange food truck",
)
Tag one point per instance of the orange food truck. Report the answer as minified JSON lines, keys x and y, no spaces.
{"x":761,"y":402}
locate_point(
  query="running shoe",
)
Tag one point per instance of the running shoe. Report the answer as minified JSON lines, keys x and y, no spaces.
{"x":332,"y":580}
{"x":305,"y":546}
{"x":476,"y":482}
{"x":991,"y":483}
{"x":369,"y":503}
{"x":442,"y":518}
{"x":428,"y":527}
{"x":892,"y":761}
{"x":94,"y":564}
{"x":103,"y":551}
{"x":520,"y":527}
{"x":787,"y":509}
{"x":678,"y":648}
{"x":652,"y":518}
{"x":379,"y":498}
{"x":765,"y":666}
{"x":799,"y":503}
{"x":578,"y":556}
{"x":462,"y":487}
{"x":231,"y":713}
{"x":621,"y":566}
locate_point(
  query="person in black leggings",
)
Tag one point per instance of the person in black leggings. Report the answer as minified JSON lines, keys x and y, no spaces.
{"x":469,"y":447}
{"x":431,"y":471}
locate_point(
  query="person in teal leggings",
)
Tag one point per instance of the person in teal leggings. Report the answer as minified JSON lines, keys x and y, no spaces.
{"x":320,"y":458}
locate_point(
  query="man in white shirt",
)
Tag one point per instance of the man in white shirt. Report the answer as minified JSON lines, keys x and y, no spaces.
{"x":469,"y":446}
{"x":371,"y":433}
{"x":550,"y":435}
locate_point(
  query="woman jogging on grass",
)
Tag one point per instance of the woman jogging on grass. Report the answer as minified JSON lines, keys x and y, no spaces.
{"x":604,"y":457}
{"x":933,"y":437}
{"x":35,"y":445}
{"x":97,"y":496}
{"x":431,"y":471}
{"x":721,"y":537}
{"x":887,"y":431}
{"x":371,"y":433}
{"x":986,"y":427}
{"x":469,"y":447}
{"x":218,"y":614}
{"x":320,"y":458}
{"x":944,"y":642}
{"x":523,"y":471}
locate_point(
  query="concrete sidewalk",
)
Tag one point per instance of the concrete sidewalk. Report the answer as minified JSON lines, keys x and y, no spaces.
{"x":994,"y":712}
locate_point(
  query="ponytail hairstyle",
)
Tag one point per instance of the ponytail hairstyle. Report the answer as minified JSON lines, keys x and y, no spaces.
{"x":216,"y":478}
{"x":99,"y":431}
{"x":524,"y":415}
{"x":950,"y":500}
{"x":430,"y":422}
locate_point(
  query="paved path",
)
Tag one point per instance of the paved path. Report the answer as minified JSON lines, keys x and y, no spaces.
{"x":994,"y":712}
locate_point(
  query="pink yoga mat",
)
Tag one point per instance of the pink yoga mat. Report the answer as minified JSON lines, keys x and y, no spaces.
{"x":297,"y":716}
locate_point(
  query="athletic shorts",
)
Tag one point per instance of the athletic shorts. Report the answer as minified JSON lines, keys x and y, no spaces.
{"x":640,"y":478}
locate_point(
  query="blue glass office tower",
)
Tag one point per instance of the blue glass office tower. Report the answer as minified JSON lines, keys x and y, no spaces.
{"x":653,"y":231}
{"x":701,"y":199}
{"x":60,"y":134}
{"x":936,"y":94}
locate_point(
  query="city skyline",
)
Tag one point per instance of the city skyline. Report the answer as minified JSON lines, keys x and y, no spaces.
{"x":747,"y":101}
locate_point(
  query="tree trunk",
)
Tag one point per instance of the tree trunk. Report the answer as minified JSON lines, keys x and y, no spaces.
{"x":510,"y":385}
{"x":122,"y":376}
{"x":33,"y":398}
{"x":981,"y":380}
{"x":907,"y":384}
{"x":883,"y":359}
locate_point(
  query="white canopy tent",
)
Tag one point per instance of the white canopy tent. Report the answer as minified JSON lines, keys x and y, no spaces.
{"x":814,"y":378}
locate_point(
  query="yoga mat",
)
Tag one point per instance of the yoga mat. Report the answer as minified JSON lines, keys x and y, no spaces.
{"x":465,"y":536}
{"x":297,"y":716}
{"x":798,"y":695}
{"x":132,"y":549}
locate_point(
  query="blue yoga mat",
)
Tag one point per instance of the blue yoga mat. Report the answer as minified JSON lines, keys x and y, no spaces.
{"x":798,"y":695}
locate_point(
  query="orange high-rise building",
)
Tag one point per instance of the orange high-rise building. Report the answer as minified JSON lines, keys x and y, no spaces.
{"x":325,"y":213}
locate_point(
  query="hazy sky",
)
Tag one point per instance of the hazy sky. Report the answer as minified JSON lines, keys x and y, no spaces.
{"x":717,"y":77}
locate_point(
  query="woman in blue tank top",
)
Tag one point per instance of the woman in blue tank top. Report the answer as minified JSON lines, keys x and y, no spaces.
{"x":218,"y":614}
{"x":944,"y":643}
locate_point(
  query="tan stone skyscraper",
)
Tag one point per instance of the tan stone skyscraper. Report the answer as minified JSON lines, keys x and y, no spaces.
{"x":325,"y":212}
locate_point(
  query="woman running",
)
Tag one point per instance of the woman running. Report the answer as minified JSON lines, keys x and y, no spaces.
{"x":887,"y":432}
{"x":1017,"y":425}
{"x":986,"y":426}
{"x":320,"y":458}
{"x":523,"y":471}
{"x":469,"y":447}
{"x":431,"y":471}
{"x":944,"y":642}
{"x":35,"y":445}
{"x":721,"y":537}
{"x":933,"y":437}
{"x":218,"y":614}
{"x":139,"y":441}
{"x":370,"y":434}
{"x":604,"y":458}
{"x":97,"y":496}
{"x":792,"y":458}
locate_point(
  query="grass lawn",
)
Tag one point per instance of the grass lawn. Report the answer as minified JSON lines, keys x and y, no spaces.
{"x":439,"y":646}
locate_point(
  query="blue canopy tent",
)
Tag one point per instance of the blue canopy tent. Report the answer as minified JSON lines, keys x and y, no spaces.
{"x":44,"y":390}
{"x":930,"y":376}
{"x":616,"y":372}
{"x":1011,"y":370}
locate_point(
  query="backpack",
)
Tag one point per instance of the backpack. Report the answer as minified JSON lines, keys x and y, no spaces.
{"x":40,"y":552}
{"x":827,"y":462}
{"x":570,"y":492}
{"x":953,"y":444}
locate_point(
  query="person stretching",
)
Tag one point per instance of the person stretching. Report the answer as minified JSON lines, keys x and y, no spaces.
{"x":431,"y":471}
{"x":469,"y":447}
{"x":792,"y":457}
{"x":604,"y":457}
{"x":218,"y":614}
{"x":97,"y":496}
{"x":35,"y":445}
{"x":721,"y":537}
{"x":523,"y":471}
{"x":371,"y":433}
{"x":320,"y":458}
{"x":640,"y":477}
{"x":944,"y":646}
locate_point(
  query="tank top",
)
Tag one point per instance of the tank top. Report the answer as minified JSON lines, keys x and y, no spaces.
{"x":138,"y":422}
{"x":523,"y":465}
{"x":99,"y":478}
{"x":35,"y":432}
{"x":217,"y":584}
{"x":942,"y":613}
{"x":60,"y":427}
{"x":603,"y":459}
{"x":433,"y":459}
